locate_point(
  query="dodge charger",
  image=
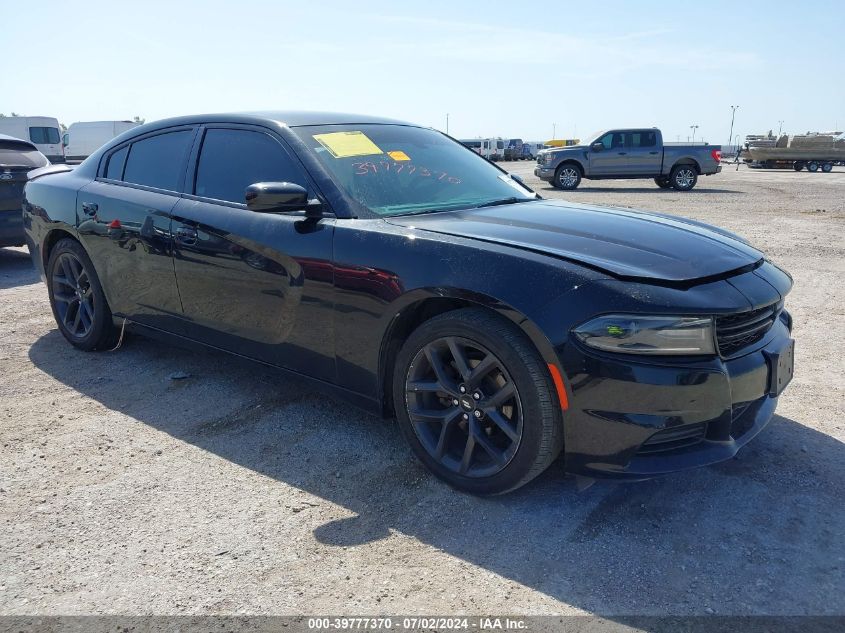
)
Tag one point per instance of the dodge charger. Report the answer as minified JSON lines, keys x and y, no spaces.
{"x":390,"y":265}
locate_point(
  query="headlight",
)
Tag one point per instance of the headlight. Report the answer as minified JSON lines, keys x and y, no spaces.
{"x":654,"y":335}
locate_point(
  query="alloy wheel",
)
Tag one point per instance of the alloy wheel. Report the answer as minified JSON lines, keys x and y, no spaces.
{"x":568,"y":177}
{"x":684,"y":178}
{"x":73,"y":295}
{"x":464,"y":407}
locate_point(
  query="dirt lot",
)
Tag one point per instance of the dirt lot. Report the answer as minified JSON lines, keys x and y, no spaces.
{"x":237,"y":490}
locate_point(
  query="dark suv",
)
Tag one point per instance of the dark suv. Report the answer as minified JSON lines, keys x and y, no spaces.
{"x":17,"y":158}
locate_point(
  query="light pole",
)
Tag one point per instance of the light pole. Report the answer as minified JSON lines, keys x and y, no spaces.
{"x":780,"y":127}
{"x":554,"y":130}
{"x":733,"y":114}
{"x":693,"y":128}
{"x":447,"y":123}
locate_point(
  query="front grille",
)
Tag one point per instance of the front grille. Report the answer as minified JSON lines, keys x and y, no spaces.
{"x":735,"y":331}
{"x":674,"y":438}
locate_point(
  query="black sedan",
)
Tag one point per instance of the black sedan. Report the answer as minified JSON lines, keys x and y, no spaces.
{"x":394,"y":266}
{"x":17,"y":159}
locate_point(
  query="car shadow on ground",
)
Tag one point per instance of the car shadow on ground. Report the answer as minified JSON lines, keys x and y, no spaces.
{"x":16,"y":269}
{"x":760,"y":534}
{"x":656,"y":190}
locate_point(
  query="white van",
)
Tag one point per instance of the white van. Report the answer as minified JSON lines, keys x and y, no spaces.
{"x":489,"y":148}
{"x":41,"y":131}
{"x":85,"y":137}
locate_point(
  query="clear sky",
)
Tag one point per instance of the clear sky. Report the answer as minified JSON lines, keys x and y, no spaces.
{"x":499,"y":68}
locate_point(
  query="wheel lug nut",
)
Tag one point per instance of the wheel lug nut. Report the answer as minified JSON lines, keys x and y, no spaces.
{"x":455,"y":401}
{"x":477,"y":413}
{"x":476,"y":395}
{"x":462,"y":389}
{"x":466,"y":417}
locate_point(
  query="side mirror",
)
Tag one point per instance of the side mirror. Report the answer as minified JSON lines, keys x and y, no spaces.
{"x":265,"y":197}
{"x":597,"y":146}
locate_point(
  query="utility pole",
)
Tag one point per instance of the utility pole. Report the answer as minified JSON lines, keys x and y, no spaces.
{"x":780,"y":127}
{"x":447,"y":123}
{"x":693,"y":128}
{"x":734,"y":108}
{"x":554,"y":130}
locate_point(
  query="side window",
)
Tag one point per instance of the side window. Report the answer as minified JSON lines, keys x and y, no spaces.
{"x":231,"y":160}
{"x":642,"y":139}
{"x":117,"y":161}
{"x":612,"y":140}
{"x":158,"y":161}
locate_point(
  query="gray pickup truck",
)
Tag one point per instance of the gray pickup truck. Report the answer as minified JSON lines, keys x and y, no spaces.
{"x":630,"y":153}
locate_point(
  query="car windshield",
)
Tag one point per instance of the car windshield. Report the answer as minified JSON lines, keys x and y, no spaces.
{"x":401,"y":170}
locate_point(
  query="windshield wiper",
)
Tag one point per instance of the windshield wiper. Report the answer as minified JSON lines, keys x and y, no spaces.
{"x":496,"y":203}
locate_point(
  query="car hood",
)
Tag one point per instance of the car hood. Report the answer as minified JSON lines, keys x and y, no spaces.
{"x":625,"y":243}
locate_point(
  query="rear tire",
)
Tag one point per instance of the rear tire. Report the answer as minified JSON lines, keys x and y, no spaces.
{"x":663,"y":182}
{"x":683,"y":177}
{"x":798,"y":165}
{"x":506,"y":427}
{"x":827,"y":167}
{"x":567,"y":177}
{"x":76,"y":297}
{"x":812,"y":166}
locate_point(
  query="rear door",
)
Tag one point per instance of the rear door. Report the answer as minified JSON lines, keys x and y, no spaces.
{"x":257,"y":284}
{"x":643,"y":154}
{"x":124,"y":222}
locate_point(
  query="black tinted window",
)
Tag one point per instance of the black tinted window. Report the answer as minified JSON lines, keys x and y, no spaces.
{"x":43,"y":135}
{"x":114,"y":170}
{"x":642,"y":139}
{"x":231,"y":160}
{"x":158,"y":161}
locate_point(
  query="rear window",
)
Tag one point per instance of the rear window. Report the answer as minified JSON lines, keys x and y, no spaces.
{"x":158,"y":161}
{"x":44,"y":135}
{"x":20,"y":154}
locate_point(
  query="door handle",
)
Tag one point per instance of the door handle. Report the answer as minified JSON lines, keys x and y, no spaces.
{"x":89,"y":208}
{"x":654,"y":153}
{"x":622,"y":153}
{"x":186,"y":235}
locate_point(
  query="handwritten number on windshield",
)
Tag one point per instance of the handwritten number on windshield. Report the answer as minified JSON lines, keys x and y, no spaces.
{"x":362,"y":169}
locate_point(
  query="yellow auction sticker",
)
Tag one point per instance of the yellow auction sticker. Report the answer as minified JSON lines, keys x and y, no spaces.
{"x":346,"y":144}
{"x":398,"y":155}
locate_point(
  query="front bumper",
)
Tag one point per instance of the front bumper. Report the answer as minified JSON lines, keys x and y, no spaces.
{"x":544,"y":173}
{"x":634,"y":419}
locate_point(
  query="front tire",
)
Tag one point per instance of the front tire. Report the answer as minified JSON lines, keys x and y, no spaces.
{"x":76,"y":297}
{"x":476,"y":402}
{"x":683,"y":177}
{"x":567,"y":177}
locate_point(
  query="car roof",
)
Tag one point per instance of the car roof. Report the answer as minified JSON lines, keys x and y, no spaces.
{"x":289,"y":118}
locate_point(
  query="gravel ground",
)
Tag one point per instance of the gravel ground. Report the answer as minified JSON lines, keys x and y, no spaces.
{"x":237,"y":490}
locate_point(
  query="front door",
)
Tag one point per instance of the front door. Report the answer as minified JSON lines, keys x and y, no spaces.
{"x":257,"y":284}
{"x":609,"y":160}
